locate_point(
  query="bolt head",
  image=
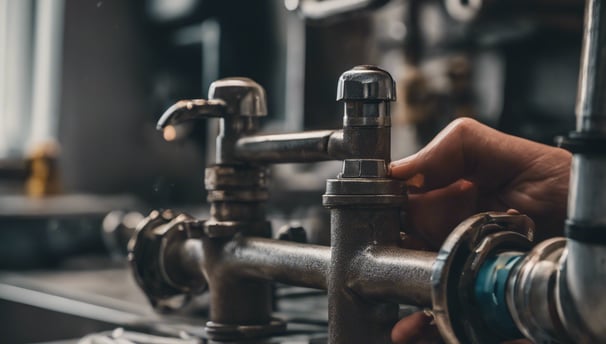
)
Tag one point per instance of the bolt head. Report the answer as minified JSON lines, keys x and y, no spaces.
{"x":243,"y":96}
{"x":366,"y":83}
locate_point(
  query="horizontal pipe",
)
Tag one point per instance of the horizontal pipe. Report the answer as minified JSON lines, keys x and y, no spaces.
{"x":308,"y":146}
{"x":292,"y":263}
{"x":394,"y":274}
{"x":382,"y":273}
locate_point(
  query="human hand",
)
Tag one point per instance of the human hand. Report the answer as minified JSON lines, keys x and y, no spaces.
{"x":469,"y":168}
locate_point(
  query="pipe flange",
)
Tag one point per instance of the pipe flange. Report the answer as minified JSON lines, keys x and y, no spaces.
{"x":476,"y":327}
{"x":356,"y":192}
{"x":365,"y":186}
{"x":151,"y":251}
{"x":458,"y":261}
{"x":228,"y":332}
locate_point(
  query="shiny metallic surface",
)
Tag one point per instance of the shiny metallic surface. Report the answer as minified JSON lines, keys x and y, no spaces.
{"x":242,"y":96}
{"x":187,"y":110}
{"x":364,"y":168}
{"x":366,"y":83}
{"x":581,"y":301}
{"x":355,"y":229}
{"x":364,"y":187}
{"x":452,"y":279}
{"x":531,"y":292}
{"x":587,"y":199}
{"x":379,"y":275}
{"x":585,"y":276}
{"x":362,"y":218}
{"x":298,"y":264}
{"x":366,"y":114}
{"x":495,"y":240}
{"x":591,"y":104}
{"x":295,"y":147}
{"x":556,"y":293}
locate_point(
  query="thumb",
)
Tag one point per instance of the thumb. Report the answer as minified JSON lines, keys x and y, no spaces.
{"x":405,"y":168}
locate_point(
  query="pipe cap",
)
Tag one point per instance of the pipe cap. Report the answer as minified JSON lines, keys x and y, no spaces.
{"x":366,"y":83}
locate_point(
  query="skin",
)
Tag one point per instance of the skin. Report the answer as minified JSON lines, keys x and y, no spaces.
{"x":470,"y":168}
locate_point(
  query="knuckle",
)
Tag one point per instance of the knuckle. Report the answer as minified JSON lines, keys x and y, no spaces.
{"x":464,"y":124}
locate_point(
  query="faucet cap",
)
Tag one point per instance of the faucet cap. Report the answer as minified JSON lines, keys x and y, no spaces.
{"x":242,"y":96}
{"x":366,"y":83}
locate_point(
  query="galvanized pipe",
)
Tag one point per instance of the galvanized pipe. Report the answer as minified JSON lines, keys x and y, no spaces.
{"x":295,"y":147}
{"x":574,"y":287}
{"x":382,"y":273}
{"x":585,"y":265}
{"x":379,"y":274}
{"x":557,"y":294}
{"x":355,"y":229}
{"x":292,"y":263}
{"x":591,"y":103}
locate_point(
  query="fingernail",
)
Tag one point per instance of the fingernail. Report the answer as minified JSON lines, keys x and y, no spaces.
{"x":401,"y":162}
{"x":418,"y":180}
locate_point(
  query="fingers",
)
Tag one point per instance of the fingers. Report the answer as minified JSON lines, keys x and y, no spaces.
{"x":452,"y":204}
{"x":418,"y":328}
{"x":415,"y":328}
{"x":470,"y":150}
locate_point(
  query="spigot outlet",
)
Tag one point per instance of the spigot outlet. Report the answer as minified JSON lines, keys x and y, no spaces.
{"x":238,"y":102}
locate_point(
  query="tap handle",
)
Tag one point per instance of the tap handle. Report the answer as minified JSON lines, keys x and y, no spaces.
{"x":230,"y":97}
{"x":366,"y":84}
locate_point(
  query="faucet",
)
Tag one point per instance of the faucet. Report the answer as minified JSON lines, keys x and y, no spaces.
{"x":364,"y":270}
{"x":489,"y":282}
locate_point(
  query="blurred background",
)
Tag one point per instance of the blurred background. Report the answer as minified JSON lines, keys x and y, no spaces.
{"x":83,"y":82}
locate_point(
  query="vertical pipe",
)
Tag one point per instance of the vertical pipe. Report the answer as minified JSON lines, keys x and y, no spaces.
{"x":353,"y":318}
{"x":591,"y":103}
{"x":585,"y":266}
{"x":364,"y":207}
